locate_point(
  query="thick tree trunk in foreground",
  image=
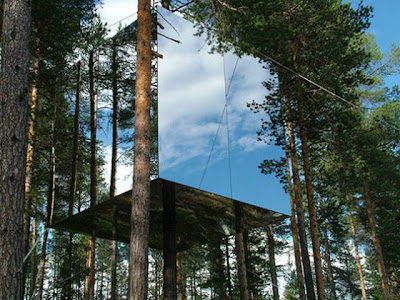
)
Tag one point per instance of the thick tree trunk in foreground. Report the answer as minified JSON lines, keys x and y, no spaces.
{"x":114,"y":158}
{"x":312,"y":210}
{"x":14,"y":98}
{"x":240,"y":252}
{"x":299,"y":205}
{"x":272,"y":265}
{"x":293,"y":228}
{"x":169,"y":241}
{"x":328,"y":262}
{"x":375,"y":239}
{"x":356,"y":251}
{"x":90,"y":258}
{"x":50,"y":204}
{"x":138,"y":254}
{"x":179,"y":277}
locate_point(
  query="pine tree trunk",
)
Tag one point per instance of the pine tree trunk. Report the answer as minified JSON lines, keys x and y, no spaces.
{"x":179,"y":277}
{"x":90,"y":258}
{"x":75,"y":150}
{"x":114,"y":158}
{"x":375,"y":239}
{"x":169,"y":241}
{"x":138,"y":254}
{"x":312,"y":211}
{"x":14,"y":99}
{"x":32,"y":285}
{"x":50,"y":204}
{"x":299,"y":204}
{"x":293,"y":228}
{"x":356,"y":251}
{"x":29,"y":153}
{"x":329,"y":263}
{"x":74,"y":175}
{"x":271,"y":257}
{"x":240,"y":252}
{"x":220,"y":290}
{"x":228,"y":268}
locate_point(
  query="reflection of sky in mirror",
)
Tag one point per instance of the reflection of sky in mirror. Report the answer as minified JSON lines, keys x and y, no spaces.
{"x":191,"y":102}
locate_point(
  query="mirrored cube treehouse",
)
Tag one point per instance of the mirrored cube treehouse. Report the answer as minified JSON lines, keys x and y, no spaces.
{"x":205,"y":148}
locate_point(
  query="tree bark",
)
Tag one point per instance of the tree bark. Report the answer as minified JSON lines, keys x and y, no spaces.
{"x":114,"y":158}
{"x":299,"y":204}
{"x":30,"y":152}
{"x":179,"y":277}
{"x":14,"y":99}
{"x":228,"y":268}
{"x":50,"y":203}
{"x":272,"y":265}
{"x":328,"y":262}
{"x":90,"y":259}
{"x":293,"y":228}
{"x":138,"y":255}
{"x":356,"y":251}
{"x":169,"y":241}
{"x":312,"y":210}
{"x":375,"y":239}
{"x":220,"y":288}
{"x":32,"y":285}
{"x":240,"y":252}
{"x":74,"y":175}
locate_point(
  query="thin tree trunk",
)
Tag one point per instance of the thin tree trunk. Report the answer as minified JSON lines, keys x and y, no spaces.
{"x":74,"y":175}
{"x":375,"y":239}
{"x":72,"y":194}
{"x":219,"y":270}
{"x":356,"y":251}
{"x":272,"y":265}
{"x":179,"y":275}
{"x":312,"y":210}
{"x":138,"y":254}
{"x":29,"y":153}
{"x":228,"y":268}
{"x":114,"y":256}
{"x":169,"y":242}
{"x":293,"y":228}
{"x":240,"y":252}
{"x":328,"y":261}
{"x":90,"y":259}
{"x":32,"y":285}
{"x":299,"y":204}
{"x":50,"y":204}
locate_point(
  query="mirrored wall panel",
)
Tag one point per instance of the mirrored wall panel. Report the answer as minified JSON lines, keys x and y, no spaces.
{"x":207,"y":132}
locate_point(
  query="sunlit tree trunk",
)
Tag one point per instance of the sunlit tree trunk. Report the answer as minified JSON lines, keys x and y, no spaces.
{"x":293,"y":228}
{"x":356,"y":251}
{"x":33,"y":102}
{"x":138,"y":254}
{"x":312,"y":210}
{"x":90,"y":258}
{"x":375,"y":239}
{"x":299,"y":204}
{"x":272,"y":264}
{"x":179,"y":275}
{"x":228,"y":268}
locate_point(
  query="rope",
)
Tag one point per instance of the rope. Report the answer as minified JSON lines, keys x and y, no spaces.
{"x":212,"y":147}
